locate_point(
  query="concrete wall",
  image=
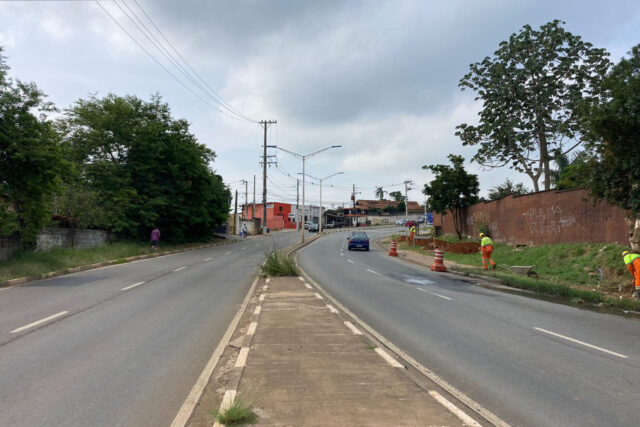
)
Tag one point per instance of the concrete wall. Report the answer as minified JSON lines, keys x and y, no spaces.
{"x":546,"y":217}
{"x":56,"y":238}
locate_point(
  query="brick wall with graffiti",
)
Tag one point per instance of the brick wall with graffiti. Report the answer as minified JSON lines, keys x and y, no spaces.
{"x":545,"y":217}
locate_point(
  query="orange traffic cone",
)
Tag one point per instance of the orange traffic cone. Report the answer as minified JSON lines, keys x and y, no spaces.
{"x":438,"y":261}
{"x":393,"y":249}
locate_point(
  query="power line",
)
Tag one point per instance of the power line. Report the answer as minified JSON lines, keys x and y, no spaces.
{"x":219,"y":99}
{"x":158,"y":62}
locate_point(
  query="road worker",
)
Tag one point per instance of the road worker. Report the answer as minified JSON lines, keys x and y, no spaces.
{"x":632,"y":260}
{"x":486,"y":247}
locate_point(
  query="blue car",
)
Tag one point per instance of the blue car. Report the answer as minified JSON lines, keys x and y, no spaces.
{"x":358,"y":240}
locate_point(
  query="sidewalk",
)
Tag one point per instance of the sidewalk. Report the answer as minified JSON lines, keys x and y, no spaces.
{"x":301,"y":362}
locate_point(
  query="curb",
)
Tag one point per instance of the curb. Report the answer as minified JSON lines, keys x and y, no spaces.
{"x":470,"y":403}
{"x":71,"y":270}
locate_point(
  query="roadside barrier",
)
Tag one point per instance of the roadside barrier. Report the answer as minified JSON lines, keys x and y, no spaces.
{"x":393,"y":249}
{"x":438,"y":261}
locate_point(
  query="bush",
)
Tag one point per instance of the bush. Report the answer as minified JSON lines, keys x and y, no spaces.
{"x":279,"y":264}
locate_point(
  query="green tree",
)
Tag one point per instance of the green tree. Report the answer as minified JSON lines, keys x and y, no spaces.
{"x":507,"y":188}
{"x":451,"y":190}
{"x":31,"y":161}
{"x":397,"y":196}
{"x":146,"y":168}
{"x":612,"y":172}
{"x":380,"y":193}
{"x":534,"y":90}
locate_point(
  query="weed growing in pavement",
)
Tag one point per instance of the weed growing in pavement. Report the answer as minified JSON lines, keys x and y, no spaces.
{"x":279,"y":264}
{"x":238,"y":413}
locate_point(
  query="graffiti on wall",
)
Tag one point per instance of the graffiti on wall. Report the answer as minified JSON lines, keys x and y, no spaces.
{"x":548,"y":221}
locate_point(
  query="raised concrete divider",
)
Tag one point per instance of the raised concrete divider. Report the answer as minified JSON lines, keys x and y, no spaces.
{"x":300,"y":361}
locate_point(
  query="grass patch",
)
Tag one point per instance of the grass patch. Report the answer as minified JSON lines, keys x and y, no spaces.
{"x":279,"y":264}
{"x":36,"y":263}
{"x":238,"y":413}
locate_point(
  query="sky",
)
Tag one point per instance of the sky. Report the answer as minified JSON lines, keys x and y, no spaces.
{"x":379,"y":78}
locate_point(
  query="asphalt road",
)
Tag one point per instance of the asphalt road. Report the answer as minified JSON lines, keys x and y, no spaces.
{"x":129,"y":341}
{"x":531,"y":362}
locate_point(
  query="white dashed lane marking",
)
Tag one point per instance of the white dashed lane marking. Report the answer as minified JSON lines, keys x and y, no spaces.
{"x":604,"y":350}
{"x":437,"y":295}
{"x":39,"y":322}
{"x":126,"y":288}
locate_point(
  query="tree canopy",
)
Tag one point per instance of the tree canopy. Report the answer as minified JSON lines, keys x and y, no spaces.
{"x":612,"y":171}
{"x":31,"y":162}
{"x":144,"y":168}
{"x":507,"y":188}
{"x":534,"y":90}
{"x":452,"y":189}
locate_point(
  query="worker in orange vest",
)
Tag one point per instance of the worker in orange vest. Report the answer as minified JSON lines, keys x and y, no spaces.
{"x":632,"y":260}
{"x":486,"y":247}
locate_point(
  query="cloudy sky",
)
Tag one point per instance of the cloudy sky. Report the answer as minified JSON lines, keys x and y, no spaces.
{"x":377,"y":77}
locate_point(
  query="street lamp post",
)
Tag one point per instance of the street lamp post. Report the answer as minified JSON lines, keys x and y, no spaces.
{"x":304,"y":158}
{"x":322,"y":179}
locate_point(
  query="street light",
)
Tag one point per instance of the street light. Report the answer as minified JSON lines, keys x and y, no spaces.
{"x":304,"y":158}
{"x":322,"y":179}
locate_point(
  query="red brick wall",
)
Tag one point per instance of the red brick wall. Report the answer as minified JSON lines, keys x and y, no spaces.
{"x":545,"y":217}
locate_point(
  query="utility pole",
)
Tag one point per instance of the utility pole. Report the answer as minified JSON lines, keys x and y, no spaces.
{"x":235,"y":216}
{"x":407,"y":183}
{"x":253,"y":211}
{"x":265,"y":124}
{"x":297,"y":203}
{"x":245,"y":209}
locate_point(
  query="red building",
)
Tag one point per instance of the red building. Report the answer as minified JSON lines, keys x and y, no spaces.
{"x":278,"y":215}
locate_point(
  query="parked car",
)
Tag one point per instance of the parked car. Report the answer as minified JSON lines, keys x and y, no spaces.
{"x":358,"y":240}
{"x":313,"y":228}
{"x":410,"y":224}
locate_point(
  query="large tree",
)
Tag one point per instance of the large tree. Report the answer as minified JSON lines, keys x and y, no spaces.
{"x":534,"y":90}
{"x":452,"y":189}
{"x":613,"y":171}
{"x":31,"y":161}
{"x":145,"y":168}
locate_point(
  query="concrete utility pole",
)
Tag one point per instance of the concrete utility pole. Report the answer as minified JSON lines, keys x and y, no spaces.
{"x":253,"y":211}
{"x":245,"y":209}
{"x":235,"y":215}
{"x":297,"y":203}
{"x":407,"y":183}
{"x":265,"y":123}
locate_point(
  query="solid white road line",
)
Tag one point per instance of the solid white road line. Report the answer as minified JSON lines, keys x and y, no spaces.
{"x":438,"y":295}
{"x":353,"y":328}
{"x":318,"y":295}
{"x":466,"y":419}
{"x":582,"y":343}
{"x":332,"y":309}
{"x":308,"y":286}
{"x":207,"y":259}
{"x":252,"y":328}
{"x":350,"y":261}
{"x":132,"y":286}
{"x":241,"y":361}
{"x":181,"y":268}
{"x":257,"y":310}
{"x":390,"y":360}
{"x":374,"y":272}
{"x":39,"y":322}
